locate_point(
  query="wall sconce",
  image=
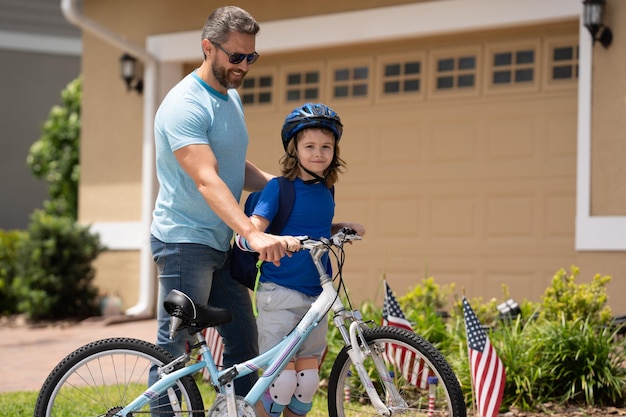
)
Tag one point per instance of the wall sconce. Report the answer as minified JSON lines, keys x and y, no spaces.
{"x":592,"y":19}
{"x":128,"y":70}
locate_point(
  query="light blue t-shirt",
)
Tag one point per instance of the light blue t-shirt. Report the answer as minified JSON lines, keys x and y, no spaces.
{"x":194,"y":113}
{"x":312,"y":215}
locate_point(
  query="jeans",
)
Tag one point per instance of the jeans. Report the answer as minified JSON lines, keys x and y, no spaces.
{"x":203,"y":273}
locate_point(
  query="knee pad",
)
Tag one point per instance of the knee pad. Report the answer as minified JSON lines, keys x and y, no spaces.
{"x":282,"y":389}
{"x":271,"y":408}
{"x":298,"y":407}
{"x":308,"y":382}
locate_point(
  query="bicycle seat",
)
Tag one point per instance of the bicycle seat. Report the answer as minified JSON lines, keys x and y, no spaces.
{"x":194,"y":315}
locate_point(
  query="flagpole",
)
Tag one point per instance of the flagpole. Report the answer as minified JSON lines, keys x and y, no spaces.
{"x":474,"y":400}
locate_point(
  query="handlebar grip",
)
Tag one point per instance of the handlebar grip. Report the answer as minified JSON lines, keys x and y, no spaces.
{"x":348,"y":231}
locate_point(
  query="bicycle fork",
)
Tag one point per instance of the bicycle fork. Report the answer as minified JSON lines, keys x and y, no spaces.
{"x":359,"y":350}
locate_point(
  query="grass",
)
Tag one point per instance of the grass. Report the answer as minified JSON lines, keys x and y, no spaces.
{"x":22,"y":403}
{"x":18,"y":404}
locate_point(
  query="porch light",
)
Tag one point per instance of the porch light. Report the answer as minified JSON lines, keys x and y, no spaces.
{"x":128,"y":70}
{"x":593,"y":11}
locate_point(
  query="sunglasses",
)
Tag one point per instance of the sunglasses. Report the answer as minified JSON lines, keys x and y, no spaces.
{"x":236,"y":57}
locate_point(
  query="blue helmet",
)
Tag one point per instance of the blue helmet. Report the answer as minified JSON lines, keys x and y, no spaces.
{"x":311,"y":115}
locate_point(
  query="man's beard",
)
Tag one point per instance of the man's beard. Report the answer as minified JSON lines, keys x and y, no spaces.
{"x":221,"y":75}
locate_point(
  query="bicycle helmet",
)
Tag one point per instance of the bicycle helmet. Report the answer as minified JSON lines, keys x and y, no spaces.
{"x":311,"y":115}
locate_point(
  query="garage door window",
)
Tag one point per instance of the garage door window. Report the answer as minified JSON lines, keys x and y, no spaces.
{"x":561,"y":63}
{"x":257,"y":90}
{"x":302,"y":85}
{"x":402,"y":78}
{"x":455,"y":72}
{"x":351,"y":82}
{"x":513,"y":67}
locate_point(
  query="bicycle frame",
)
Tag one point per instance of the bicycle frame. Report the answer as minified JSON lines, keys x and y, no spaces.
{"x":276,"y":359}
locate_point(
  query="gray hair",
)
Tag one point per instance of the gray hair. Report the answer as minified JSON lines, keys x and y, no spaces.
{"x":225,"y":20}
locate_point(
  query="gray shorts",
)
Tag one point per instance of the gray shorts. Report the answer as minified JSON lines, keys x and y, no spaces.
{"x":280,"y":309}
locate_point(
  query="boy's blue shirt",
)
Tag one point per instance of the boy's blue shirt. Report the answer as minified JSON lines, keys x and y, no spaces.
{"x":311,"y":215}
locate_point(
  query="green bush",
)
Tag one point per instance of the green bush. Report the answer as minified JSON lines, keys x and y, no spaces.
{"x":9,"y":241}
{"x":561,"y":350}
{"x":54,"y":273}
{"x":582,"y":363}
{"x":576,"y":301}
{"x":55,"y":156}
{"x":423,"y":307}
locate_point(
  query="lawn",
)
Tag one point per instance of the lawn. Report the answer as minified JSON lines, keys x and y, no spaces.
{"x":22,"y":404}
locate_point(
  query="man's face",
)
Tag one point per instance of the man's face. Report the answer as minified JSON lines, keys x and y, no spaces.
{"x":231,"y":75}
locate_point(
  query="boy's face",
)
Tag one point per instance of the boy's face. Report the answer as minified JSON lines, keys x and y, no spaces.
{"x":315,"y":149}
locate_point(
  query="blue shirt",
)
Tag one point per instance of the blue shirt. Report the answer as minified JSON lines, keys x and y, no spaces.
{"x":194,"y":113}
{"x":312,"y":215}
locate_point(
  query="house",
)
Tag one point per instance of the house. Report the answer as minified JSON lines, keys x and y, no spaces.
{"x":39,"y":56}
{"x":484,"y":138}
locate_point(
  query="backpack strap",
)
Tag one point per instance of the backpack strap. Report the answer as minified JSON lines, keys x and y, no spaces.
{"x":286,"y":198}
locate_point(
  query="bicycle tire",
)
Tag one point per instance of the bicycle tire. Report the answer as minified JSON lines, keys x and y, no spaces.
{"x":347,"y":396}
{"x":104,"y":376}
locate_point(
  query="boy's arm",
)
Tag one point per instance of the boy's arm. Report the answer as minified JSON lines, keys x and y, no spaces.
{"x":255,"y":178}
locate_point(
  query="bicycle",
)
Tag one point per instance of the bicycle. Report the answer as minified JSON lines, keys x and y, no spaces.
{"x":109,"y":377}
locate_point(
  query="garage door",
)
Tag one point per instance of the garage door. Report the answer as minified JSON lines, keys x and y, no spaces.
{"x":461,"y":153}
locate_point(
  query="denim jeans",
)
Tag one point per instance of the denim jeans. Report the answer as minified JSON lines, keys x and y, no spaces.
{"x":203,"y":273}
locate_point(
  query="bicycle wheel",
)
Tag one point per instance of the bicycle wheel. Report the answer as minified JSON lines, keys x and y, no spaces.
{"x":102,"y":377}
{"x":424,"y":380}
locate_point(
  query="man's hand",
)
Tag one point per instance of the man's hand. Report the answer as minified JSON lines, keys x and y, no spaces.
{"x":272,"y":248}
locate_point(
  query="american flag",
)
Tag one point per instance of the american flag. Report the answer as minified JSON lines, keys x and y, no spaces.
{"x":216,"y":344}
{"x":486,"y":368}
{"x":413,"y":368}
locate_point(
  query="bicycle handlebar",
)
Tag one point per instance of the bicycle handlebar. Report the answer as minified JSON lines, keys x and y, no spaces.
{"x":344,"y":235}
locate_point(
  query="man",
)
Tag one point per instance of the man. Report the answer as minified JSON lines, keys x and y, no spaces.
{"x":201,"y":142}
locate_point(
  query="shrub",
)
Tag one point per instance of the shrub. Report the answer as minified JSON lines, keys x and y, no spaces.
{"x":55,"y":156}
{"x":580,"y":361}
{"x":9,"y":240}
{"x":423,"y":307}
{"x":54,"y":273}
{"x":576,"y":301}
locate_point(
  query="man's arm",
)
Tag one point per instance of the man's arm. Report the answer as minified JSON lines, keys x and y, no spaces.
{"x":200,"y":164}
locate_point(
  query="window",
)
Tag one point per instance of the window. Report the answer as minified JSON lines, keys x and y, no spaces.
{"x":257,"y":90}
{"x":302,"y":86}
{"x":561,"y":62}
{"x":564,"y":62}
{"x":402,"y":78}
{"x":455,"y":72}
{"x":513,"y":67}
{"x":350,"y":82}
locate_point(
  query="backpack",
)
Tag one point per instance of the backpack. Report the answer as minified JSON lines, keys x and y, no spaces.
{"x":243,"y":267}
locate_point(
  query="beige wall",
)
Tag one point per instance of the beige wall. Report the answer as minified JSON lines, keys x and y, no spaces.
{"x":608,"y":124}
{"x":110,"y":187}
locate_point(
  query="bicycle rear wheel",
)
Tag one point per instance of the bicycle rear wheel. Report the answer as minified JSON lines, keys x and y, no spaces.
{"x":102,"y":377}
{"x":424,"y":380}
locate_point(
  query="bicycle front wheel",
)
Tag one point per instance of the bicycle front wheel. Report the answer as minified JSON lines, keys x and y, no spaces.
{"x":103,"y":377}
{"x":424,"y":382}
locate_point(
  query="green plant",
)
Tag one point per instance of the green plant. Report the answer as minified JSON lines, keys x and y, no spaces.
{"x":55,"y":156}
{"x":565,"y":298}
{"x":9,"y":240}
{"x":423,"y":307}
{"x":54,"y":273}
{"x":580,"y":362}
